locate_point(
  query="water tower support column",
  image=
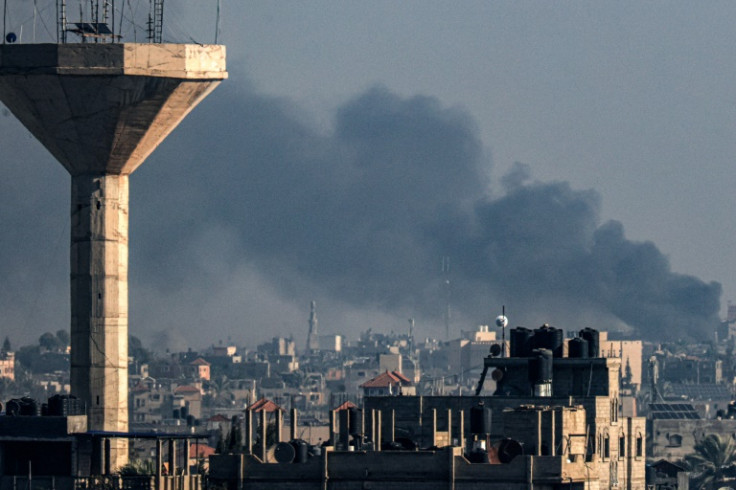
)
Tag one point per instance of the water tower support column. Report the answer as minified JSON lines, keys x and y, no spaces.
{"x":99,"y":299}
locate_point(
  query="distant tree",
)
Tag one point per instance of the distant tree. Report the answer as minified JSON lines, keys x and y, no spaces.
{"x":137,"y":351}
{"x":221,"y":446}
{"x":6,"y":346}
{"x":138,"y":467}
{"x":235,"y":436}
{"x":26,"y":356}
{"x":48,"y":341}
{"x":713,"y":463}
{"x":63,"y":337}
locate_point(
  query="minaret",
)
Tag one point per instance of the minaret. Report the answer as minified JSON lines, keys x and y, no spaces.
{"x":101,"y":109}
{"x":313,"y":337}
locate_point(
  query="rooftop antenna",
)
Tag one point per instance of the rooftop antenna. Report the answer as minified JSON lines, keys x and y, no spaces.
{"x":448,"y":312}
{"x":501,"y":322}
{"x":217,"y":23}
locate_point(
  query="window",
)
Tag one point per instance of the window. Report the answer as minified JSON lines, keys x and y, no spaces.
{"x":606,"y":447}
{"x":621,"y":446}
{"x":639,"y":446}
{"x":674,"y":440}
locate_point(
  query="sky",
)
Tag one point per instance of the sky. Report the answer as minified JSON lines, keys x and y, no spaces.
{"x":572,"y":159}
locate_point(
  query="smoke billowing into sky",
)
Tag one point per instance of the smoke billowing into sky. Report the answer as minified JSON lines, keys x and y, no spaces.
{"x":360,"y":218}
{"x":251,"y":208}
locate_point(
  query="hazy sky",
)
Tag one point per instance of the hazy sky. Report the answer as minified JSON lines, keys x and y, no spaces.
{"x":412,"y":113}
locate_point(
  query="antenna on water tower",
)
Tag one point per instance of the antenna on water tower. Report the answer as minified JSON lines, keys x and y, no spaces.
{"x":448,"y":293}
{"x":501,"y":322}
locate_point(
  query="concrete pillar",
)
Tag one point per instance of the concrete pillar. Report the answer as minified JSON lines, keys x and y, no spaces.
{"x":461,"y":435}
{"x":248,"y":432}
{"x":539,"y":433}
{"x":187,"y":448}
{"x":553,"y":440}
{"x":434,"y":426}
{"x":344,"y":437}
{"x":172,"y":457}
{"x":373,"y":429}
{"x":293,"y":424}
{"x":264,"y":434}
{"x":333,"y":428}
{"x":99,"y":303}
{"x":101,"y":109}
{"x":449,"y":427}
{"x":279,"y":421}
{"x":379,"y":439}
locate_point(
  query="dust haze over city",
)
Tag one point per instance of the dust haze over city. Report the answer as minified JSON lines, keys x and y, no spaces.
{"x":574,"y":162}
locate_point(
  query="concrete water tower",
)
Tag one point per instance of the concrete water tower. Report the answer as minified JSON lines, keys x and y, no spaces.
{"x":101,"y":108}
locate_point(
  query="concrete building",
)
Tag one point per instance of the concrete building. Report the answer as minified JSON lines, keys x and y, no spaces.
{"x":553,"y":422}
{"x":673,"y":429}
{"x":630,"y":353}
{"x":7,"y":366}
{"x":199,"y":369}
{"x":101,"y":109}
{"x":388,"y":383}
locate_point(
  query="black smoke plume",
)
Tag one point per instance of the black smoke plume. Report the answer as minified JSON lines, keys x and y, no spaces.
{"x":361,"y":217}
{"x":247,"y":212}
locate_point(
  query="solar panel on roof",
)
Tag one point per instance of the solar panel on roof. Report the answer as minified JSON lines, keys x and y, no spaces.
{"x":669,"y":411}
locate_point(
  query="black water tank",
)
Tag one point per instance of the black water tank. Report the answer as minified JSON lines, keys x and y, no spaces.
{"x":540,"y":366}
{"x":593,"y":338}
{"x":30,"y":407}
{"x":546,"y":337}
{"x":508,"y":449}
{"x":407,"y":443}
{"x":480,"y":419}
{"x":577,"y":348}
{"x":301,"y":451}
{"x":521,"y":339}
{"x":354,"y":425}
{"x":284,"y":452}
{"x":477,"y":456}
{"x":65,"y":405}
{"x":12,"y":408}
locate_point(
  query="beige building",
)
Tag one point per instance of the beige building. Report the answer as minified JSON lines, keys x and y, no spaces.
{"x":553,"y":423}
{"x":7,"y":366}
{"x":630,"y":353}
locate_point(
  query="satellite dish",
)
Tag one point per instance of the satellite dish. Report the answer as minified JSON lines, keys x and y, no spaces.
{"x":497,"y":375}
{"x":11,"y":37}
{"x":501,"y":321}
{"x":495,"y":350}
